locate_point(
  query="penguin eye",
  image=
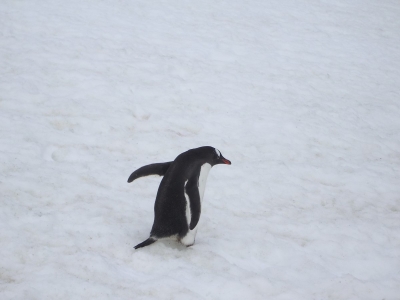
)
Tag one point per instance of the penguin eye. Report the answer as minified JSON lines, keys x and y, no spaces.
{"x":218,"y":153}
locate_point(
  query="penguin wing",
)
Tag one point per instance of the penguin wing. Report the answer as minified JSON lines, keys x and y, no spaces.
{"x":192,"y":191}
{"x":153,"y":169}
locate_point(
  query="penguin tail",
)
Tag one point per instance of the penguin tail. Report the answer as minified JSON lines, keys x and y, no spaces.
{"x":147,"y":242}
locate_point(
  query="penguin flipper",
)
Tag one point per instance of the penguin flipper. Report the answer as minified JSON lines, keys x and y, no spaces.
{"x":147,"y":242}
{"x":153,"y":169}
{"x":192,"y":191}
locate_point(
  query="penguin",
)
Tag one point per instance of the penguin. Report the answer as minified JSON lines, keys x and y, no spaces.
{"x":178,"y":202}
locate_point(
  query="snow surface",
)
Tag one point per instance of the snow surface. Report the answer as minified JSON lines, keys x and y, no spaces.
{"x":302,"y":96}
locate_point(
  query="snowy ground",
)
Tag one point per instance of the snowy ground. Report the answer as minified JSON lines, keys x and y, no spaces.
{"x":302,"y":96}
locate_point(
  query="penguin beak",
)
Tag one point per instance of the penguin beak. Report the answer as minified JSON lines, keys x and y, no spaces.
{"x":225,"y":161}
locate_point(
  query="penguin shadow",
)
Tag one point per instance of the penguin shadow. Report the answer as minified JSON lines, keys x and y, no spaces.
{"x":173,"y":245}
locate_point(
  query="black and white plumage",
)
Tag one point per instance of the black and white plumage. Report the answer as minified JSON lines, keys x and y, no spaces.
{"x":178,"y":203}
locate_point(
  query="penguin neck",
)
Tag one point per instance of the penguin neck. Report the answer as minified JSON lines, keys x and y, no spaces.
{"x":204,"y":170}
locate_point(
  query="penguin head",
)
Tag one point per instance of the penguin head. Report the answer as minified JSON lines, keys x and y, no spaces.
{"x":212,"y":156}
{"x":219,"y":159}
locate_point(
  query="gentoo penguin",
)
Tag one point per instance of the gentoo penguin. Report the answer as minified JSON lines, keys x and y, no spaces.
{"x":178,"y":202}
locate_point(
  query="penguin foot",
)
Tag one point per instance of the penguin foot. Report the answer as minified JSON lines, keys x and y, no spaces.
{"x":189,"y":238}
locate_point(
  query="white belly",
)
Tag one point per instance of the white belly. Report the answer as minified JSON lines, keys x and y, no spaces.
{"x":205,"y":169}
{"x":188,"y":240}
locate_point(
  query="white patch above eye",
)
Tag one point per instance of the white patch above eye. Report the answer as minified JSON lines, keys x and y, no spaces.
{"x":217,"y":151}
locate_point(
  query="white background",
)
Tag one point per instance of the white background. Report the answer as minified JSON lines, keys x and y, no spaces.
{"x":302,"y":96}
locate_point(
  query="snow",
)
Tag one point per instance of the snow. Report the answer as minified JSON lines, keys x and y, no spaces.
{"x":301,"y":96}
